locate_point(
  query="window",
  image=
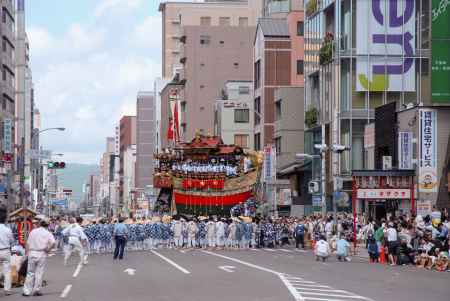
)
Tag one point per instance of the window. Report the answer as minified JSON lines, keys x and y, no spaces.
{"x":4,"y":73}
{"x":205,"y":21}
{"x":278,"y":110}
{"x":204,"y":40}
{"x":241,"y":140}
{"x":244,"y":90}
{"x":243,"y":21}
{"x":4,"y":103}
{"x":258,"y":142}
{"x":241,"y":115}
{"x":257,"y":73}
{"x":257,"y":108}
{"x":224,"y":21}
{"x":300,"y":28}
{"x":183,"y":106}
{"x":278,"y":145}
{"x":300,"y":67}
{"x":4,"y":45}
{"x":183,"y":128}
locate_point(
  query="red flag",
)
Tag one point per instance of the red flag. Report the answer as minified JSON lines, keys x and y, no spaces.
{"x":170,"y":130}
{"x":176,"y":122}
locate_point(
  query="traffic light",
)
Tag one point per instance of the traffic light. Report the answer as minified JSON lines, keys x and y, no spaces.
{"x":56,"y":165}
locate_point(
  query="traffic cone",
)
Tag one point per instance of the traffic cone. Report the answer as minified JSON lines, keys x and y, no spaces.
{"x":382,"y":256}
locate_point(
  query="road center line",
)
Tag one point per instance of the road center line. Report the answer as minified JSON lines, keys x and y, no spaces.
{"x":77,"y":271}
{"x":66,"y":291}
{"x":171,"y":262}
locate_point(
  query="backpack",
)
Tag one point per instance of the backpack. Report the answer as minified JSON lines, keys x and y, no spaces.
{"x":300,"y":229}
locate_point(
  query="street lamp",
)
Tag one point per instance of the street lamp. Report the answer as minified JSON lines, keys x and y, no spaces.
{"x":22,"y":169}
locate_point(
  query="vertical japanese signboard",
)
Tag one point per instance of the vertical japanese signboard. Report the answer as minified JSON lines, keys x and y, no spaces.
{"x":385,"y":45}
{"x":7,"y":135}
{"x":427,"y":164}
{"x":269,"y":163}
{"x":440,"y":52}
{"x":405,"y":150}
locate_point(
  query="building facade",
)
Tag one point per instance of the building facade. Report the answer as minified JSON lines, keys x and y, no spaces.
{"x":272,"y":69}
{"x":353,"y":65}
{"x":7,"y":112}
{"x":145,"y":138}
{"x":233,"y":116}
{"x":127,"y":130}
{"x":176,"y":15}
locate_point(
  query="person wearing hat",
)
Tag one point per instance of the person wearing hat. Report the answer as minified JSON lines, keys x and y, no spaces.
{"x":6,"y":242}
{"x":40,"y":242}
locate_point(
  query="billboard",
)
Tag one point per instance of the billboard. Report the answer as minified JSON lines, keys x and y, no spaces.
{"x":428,"y":153}
{"x":440,"y":51}
{"x":7,"y":136}
{"x":385,"y":41}
{"x":405,"y":149}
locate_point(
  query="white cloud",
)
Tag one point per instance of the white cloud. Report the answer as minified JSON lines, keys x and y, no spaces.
{"x":106,"y":6}
{"x":89,"y":76}
{"x":41,"y":40}
{"x":148,"y":33}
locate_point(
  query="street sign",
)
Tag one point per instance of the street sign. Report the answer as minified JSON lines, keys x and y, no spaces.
{"x":384,"y":193}
{"x":317,"y":200}
{"x":42,"y":154}
{"x":58,"y":202}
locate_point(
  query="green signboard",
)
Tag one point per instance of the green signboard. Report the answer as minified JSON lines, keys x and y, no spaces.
{"x":440,"y":61}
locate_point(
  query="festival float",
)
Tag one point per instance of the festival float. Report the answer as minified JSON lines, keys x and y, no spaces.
{"x":206,"y":176}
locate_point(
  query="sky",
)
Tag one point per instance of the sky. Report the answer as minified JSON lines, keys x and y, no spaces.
{"x":89,"y":59}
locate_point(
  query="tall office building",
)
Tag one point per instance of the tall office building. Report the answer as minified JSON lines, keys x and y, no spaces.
{"x":145,"y":139}
{"x":127,"y":130}
{"x":176,"y":15}
{"x":7,"y":89}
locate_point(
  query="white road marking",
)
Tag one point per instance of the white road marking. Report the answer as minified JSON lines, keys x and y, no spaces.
{"x":130,"y":272}
{"x":66,"y":291}
{"x":183,"y":251}
{"x":334,"y":295}
{"x":296,"y":285}
{"x":291,"y":289}
{"x":77,"y":270}
{"x":227,"y":268}
{"x":252,"y":249}
{"x":171,"y":262}
{"x":285,"y":250}
{"x":243,"y":263}
{"x":269,"y":250}
{"x":301,"y":251}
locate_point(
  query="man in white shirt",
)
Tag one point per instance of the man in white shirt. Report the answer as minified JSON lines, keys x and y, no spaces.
{"x":393,"y":245}
{"x":6,"y":242}
{"x":322,"y":249}
{"x":77,"y":240}
{"x":39,"y":244}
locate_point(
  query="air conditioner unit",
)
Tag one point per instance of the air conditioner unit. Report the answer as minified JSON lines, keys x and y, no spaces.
{"x":313,"y":187}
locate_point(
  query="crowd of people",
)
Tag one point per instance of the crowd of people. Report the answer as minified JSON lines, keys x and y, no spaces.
{"x":403,"y":240}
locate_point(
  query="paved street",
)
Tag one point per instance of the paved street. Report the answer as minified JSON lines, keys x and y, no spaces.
{"x":282,"y":274}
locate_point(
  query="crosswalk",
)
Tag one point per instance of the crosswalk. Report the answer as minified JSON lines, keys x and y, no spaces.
{"x":304,"y":290}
